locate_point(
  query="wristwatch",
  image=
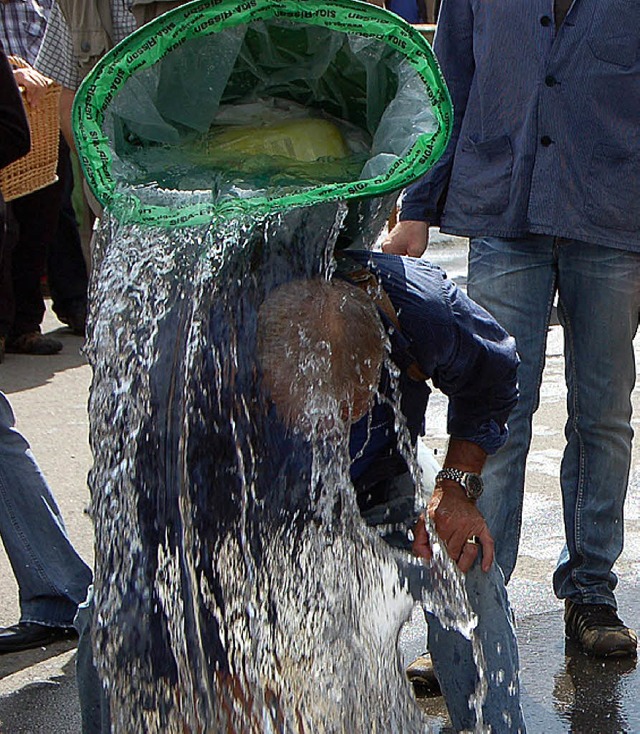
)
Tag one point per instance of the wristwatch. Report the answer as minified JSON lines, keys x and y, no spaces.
{"x":470,"y":482}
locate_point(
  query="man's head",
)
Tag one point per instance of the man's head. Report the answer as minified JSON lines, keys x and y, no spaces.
{"x":321,"y":347}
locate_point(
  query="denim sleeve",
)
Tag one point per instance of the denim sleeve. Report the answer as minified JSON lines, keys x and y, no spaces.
{"x":458,"y":345}
{"x":424,"y":200}
{"x":477,"y":371}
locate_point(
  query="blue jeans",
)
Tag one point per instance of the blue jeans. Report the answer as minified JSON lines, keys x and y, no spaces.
{"x":598,"y":292}
{"x":452,"y":657}
{"x":451,"y":652}
{"x":52,"y":578}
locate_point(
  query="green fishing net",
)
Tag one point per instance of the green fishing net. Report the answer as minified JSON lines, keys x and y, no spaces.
{"x":220,"y":108}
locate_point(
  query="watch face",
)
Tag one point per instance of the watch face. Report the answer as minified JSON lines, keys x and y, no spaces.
{"x":473,"y":485}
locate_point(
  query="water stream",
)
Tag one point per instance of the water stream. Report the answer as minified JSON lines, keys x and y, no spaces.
{"x":237,"y":588}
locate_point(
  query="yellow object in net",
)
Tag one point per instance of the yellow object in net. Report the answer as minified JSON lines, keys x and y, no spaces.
{"x":306,"y":139}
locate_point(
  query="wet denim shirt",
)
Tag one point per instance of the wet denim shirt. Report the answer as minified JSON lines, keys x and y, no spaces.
{"x":463,"y":351}
{"x":547,"y":122}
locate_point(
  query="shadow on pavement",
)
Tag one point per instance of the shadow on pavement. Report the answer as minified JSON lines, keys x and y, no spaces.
{"x":21,"y":372}
{"x":48,"y":705}
{"x":11,"y":663}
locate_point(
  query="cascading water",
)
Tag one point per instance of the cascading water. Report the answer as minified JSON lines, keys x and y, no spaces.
{"x":237,"y":588}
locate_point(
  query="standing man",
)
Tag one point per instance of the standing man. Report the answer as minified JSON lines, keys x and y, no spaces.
{"x":52,"y":578}
{"x":543,"y":174}
{"x":43,"y":231}
{"x":80,"y":33}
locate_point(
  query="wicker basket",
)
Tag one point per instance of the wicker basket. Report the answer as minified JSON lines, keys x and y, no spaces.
{"x":37,"y":169}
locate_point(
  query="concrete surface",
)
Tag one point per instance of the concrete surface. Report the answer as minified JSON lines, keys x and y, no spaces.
{"x":564,"y":691}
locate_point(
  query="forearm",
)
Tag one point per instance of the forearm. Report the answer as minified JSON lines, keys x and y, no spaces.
{"x":465,"y":455}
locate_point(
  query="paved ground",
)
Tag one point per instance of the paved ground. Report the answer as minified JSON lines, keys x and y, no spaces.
{"x":563,"y":690}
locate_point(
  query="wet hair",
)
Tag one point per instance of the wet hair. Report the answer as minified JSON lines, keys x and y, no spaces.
{"x":320,"y":347}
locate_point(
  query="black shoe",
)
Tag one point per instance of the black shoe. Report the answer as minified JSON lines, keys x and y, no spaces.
{"x":421,"y":673}
{"x":598,"y":630}
{"x":26,"y":635}
{"x":75,"y":317}
{"x":33,"y":343}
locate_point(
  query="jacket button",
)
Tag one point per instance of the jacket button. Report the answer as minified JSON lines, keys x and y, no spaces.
{"x":85,"y":46}
{"x":545,"y":21}
{"x":550,"y":81}
{"x":546,"y":141}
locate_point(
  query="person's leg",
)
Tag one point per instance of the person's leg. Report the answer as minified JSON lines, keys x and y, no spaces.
{"x":599,"y":305}
{"x":453,"y":658}
{"x":452,"y":654}
{"x":52,"y":578}
{"x":36,"y":215}
{"x":7,"y":306}
{"x":66,"y":267}
{"x":515,"y":281}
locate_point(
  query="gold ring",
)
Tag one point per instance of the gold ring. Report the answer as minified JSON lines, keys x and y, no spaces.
{"x":474,"y":540}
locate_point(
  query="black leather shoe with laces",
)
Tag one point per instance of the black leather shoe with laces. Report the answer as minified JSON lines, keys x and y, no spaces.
{"x":598,"y":630}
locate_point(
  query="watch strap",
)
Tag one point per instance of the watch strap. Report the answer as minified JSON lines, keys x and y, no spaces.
{"x":455,"y":475}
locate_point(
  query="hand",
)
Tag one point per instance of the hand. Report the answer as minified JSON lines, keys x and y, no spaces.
{"x":456,"y":519}
{"x":34,"y":84}
{"x":407,"y":238}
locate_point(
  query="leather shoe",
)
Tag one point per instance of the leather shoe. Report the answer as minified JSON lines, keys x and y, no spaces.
{"x":26,"y":635}
{"x":33,"y":342}
{"x":421,"y":673}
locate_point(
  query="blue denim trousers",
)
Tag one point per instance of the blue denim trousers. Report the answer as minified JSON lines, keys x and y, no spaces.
{"x":598,"y":291}
{"x":451,"y":652}
{"x":52,"y":578}
{"x":452,"y":657}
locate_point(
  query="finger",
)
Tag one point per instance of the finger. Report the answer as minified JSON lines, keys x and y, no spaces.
{"x":455,"y":543}
{"x":488,"y":549}
{"x":468,"y":556}
{"x":421,"y":546}
{"x":392,"y":247}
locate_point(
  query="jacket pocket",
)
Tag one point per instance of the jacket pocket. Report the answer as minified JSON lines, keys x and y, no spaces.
{"x":620,"y":49}
{"x":613,"y":192}
{"x":481,"y":180}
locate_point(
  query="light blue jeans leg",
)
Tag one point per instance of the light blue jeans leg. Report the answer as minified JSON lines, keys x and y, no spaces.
{"x":52,"y":578}
{"x":598,"y":305}
{"x":451,"y":652}
{"x":515,"y":280}
{"x":452,"y":657}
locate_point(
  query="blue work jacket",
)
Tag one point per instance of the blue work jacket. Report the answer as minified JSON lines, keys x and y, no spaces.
{"x":547,"y":122}
{"x":456,"y":344}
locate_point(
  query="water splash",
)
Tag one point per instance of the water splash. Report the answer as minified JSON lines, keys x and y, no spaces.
{"x":238,"y":590}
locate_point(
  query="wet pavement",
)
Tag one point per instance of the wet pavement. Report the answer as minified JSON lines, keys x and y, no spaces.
{"x":563,"y":690}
